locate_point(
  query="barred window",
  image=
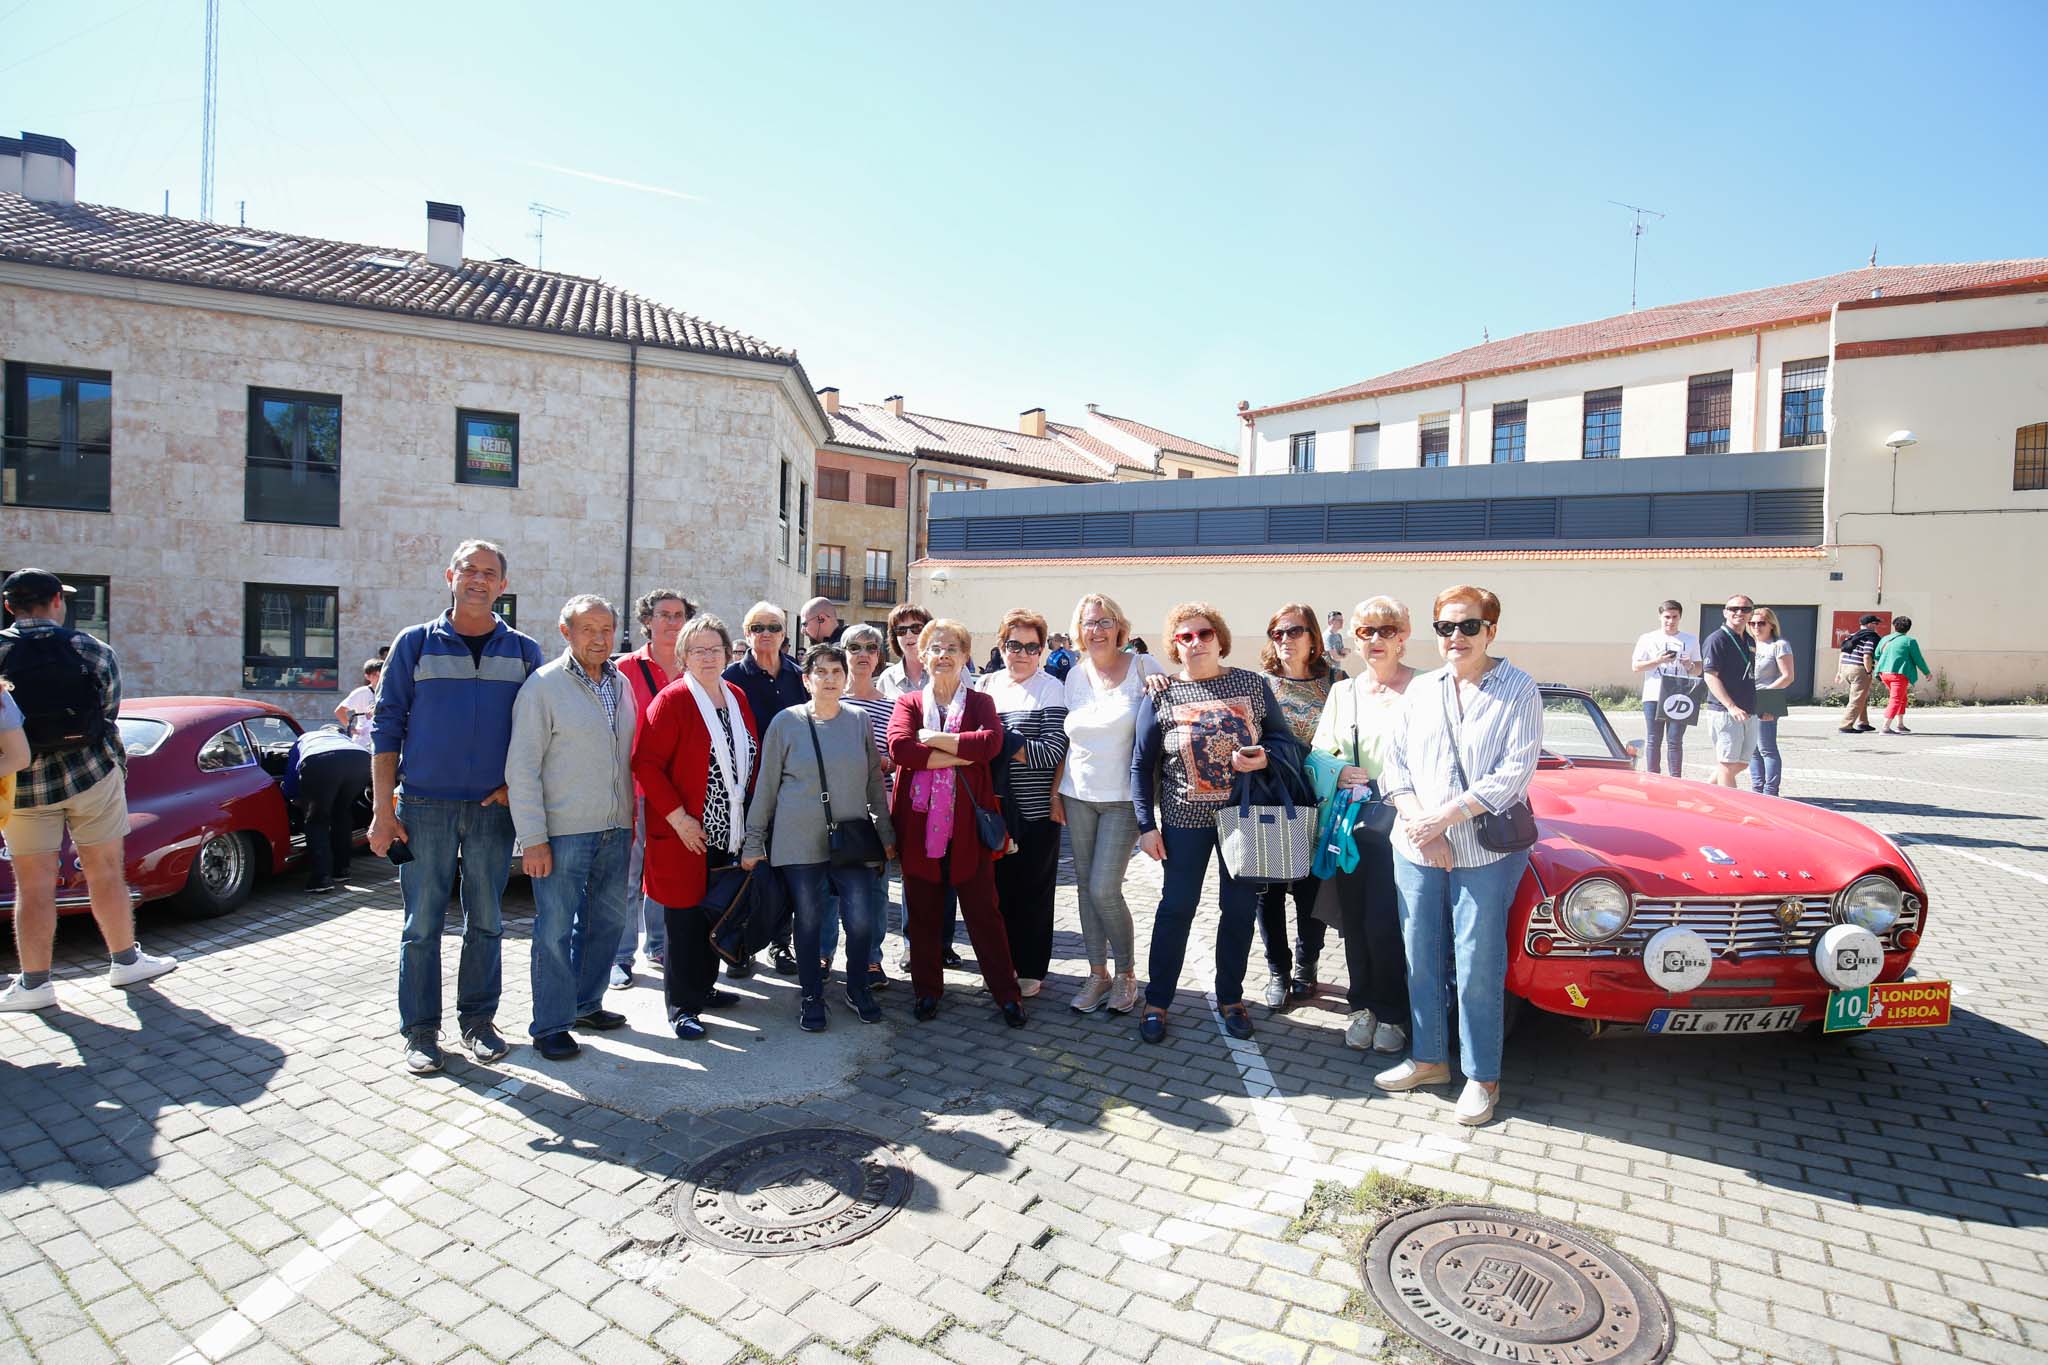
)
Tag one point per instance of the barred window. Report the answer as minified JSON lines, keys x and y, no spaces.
{"x":1301,"y":453}
{"x":1707,"y":413}
{"x":1801,"y":419}
{"x":1510,"y":433}
{"x":1436,"y":441}
{"x":1603,"y":425}
{"x":2030,"y":457}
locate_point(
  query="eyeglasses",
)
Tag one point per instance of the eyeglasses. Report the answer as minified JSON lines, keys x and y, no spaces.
{"x":1194,"y":634}
{"x":1471,"y":625}
{"x":764,"y":628}
{"x":1019,"y":647}
{"x":1279,"y":633}
{"x":1377,"y":632}
{"x":863,"y":649}
{"x":1100,"y":623}
{"x":705,"y":652}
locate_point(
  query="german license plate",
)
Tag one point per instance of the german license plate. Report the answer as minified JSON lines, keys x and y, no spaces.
{"x":1725,"y":1021}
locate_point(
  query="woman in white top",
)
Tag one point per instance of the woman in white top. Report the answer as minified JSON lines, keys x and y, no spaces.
{"x":1666,"y":652}
{"x":1034,"y":711}
{"x":1103,"y":693}
{"x":1775,"y":673}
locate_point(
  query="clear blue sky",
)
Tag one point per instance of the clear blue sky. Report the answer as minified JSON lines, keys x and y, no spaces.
{"x":1158,"y":208}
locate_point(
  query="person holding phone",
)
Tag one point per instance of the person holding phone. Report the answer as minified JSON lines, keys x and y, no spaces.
{"x":1205,"y":726}
{"x":1666,"y":652}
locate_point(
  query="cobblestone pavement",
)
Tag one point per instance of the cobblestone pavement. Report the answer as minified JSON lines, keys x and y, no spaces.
{"x":233,"y":1166}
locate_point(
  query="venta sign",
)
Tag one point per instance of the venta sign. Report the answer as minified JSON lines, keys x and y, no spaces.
{"x":1888,"y":1004}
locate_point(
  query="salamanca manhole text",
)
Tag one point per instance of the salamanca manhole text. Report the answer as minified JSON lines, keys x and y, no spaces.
{"x":792,"y":1192}
{"x":1476,"y":1283}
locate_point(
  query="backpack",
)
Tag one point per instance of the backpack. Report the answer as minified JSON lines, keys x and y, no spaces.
{"x":63,"y":706}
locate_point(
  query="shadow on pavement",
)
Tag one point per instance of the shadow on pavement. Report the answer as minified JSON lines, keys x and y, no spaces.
{"x":1859,"y":805}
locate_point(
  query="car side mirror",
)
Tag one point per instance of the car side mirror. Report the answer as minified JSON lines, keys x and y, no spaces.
{"x":1635,"y":749}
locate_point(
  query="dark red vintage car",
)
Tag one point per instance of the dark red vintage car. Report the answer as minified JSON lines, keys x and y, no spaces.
{"x":1688,"y":908}
{"x":206,"y":816}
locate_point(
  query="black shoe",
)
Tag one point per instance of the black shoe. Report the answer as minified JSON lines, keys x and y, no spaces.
{"x":811,"y":1017}
{"x":556,"y":1047}
{"x":1013,"y":1014}
{"x":601,"y":1020}
{"x":1301,"y":988}
{"x":863,"y":1004}
{"x":1865,"y":729}
{"x":1237,"y":1021}
{"x":741,"y":970}
{"x":323,"y":884}
{"x":722,"y":998}
{"x":783,"y":960}
{"x":878,"y":980}
{"x":927,"y":1007}
{"x":688,"y":1028}
{"x":483,"y":1042}
{"x":954,"y":959}
{"x":1152,"y":1028}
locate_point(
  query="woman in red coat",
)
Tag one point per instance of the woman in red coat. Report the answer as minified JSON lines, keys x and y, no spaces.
{"x":942,"y":739}
{"x":694,"y":759}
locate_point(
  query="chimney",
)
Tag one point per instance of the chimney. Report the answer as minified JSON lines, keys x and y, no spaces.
{"x":894,"y":403}
{"x":1091,"y":407}
{"x":49,"y":169}
{"x":1031,"y":422}
{"x":830,"y":398}
{"x":444,"y":234}
{"x":10,"y":165}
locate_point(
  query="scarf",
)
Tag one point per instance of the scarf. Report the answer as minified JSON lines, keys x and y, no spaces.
{"x":931,"y":790}
{"x":731,"y":757}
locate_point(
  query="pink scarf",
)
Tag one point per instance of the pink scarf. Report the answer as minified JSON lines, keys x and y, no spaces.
{"x":931,"y":790}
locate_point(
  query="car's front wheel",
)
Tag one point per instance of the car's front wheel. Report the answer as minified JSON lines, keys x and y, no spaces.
{"x":223,"y":873}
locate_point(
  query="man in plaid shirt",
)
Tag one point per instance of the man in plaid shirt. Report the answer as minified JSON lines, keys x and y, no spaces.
{"x":79,"y":785}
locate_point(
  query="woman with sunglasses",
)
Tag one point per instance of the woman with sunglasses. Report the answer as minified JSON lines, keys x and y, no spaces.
{"x":1776,"y":670}
{"x":863,"y":646}
{"x":1208,"y":725}
{"x":1302,"y":676}
{"x":1034,"y":711}
{"x":768,"y":678}
{"x":1467,"y":747}
{"x":1358,"y":726}
{"x":906,"y":621}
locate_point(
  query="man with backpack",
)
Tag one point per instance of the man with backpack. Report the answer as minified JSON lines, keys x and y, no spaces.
{"x":68,"y":687}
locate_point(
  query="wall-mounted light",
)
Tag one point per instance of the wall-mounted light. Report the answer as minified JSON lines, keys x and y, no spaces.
{"x":1899,"y":440}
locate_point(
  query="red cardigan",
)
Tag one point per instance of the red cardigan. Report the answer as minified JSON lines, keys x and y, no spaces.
{"x":981,"y":740}
{"x":672,"y":764}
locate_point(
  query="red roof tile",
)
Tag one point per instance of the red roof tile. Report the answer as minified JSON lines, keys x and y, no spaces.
{"x":871,"y":426}
{"x":1166,"y":440}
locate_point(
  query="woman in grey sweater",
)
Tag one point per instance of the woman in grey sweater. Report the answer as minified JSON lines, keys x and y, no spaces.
{"x":788,"y":804}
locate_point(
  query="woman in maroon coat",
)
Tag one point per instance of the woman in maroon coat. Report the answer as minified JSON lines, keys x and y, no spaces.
{"x":694,"y":759}
{"x":942,"y":739}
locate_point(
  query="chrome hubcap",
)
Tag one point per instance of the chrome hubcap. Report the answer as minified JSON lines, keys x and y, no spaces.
{"x":220,"y":863}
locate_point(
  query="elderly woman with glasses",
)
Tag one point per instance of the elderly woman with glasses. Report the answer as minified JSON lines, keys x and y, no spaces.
{"x":943,"y":738}
{"x":770,"y":680}
{"x":1466,"y":749}
{"x":1205,"y":727}
{"x":1302,"y":676}
{"x":863,"y":646}
{"x":1033,"y":706}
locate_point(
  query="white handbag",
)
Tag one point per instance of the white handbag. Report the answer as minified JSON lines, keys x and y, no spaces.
{"x":1266,"y":843}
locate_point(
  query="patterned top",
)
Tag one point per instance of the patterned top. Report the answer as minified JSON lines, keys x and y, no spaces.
{"x":1497,"y":742}
{"x":1195,"y":728}
{"x":1301,"y":699}
{"x":1037,"y":710}
{"x":51,"y":779}
{"x":605,"y":689}
{"x":717,"y":823}
{"x":877,"y":710}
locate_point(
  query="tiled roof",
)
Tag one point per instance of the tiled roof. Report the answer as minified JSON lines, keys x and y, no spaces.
{"x":871,"y":426}
{"x":1780,"y":305}
{"x":113,"y":241}
{"x":1100,"y":450}
{"x":1166,"y":440}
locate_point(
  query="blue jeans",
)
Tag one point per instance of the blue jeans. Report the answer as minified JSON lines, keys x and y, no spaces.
{"x":440,"y":832}
{"x":643,"y":914}
{"x":1667,"y":735}
{"x":811,"y":887}
{"x":1466,"y":907}
{"x":1187,"y":867}
{"x":876,"y":908}
{"x":1766,"y":767}
{"x":577,"y":911}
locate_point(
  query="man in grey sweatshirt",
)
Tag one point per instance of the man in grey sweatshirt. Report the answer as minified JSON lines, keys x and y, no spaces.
{"x":570,"y":774}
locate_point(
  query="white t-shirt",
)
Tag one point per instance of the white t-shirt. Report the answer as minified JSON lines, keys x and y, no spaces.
{"x":361,"y":703}
{"x":1102,"y":729}
{"x":1770,"y":667}
{"x":1655,"y":644}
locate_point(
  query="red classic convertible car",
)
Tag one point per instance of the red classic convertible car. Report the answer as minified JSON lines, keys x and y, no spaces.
{"x":1688,"y":908}
{"x":206,"y":816}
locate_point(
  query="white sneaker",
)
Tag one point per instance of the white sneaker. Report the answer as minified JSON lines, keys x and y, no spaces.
{"x":1475,"y":1106}
{"x":1409,"y":1074}
{"x":1358,"y":1030}
{"x":1123,"y":995}
{"x":20,"y":997}
{"x":1276,"y":993}
{"x":145,"y":967}
{"x":1089,"y":998}
{"x":1389,"y":1038}
{"x":1028,"y":986}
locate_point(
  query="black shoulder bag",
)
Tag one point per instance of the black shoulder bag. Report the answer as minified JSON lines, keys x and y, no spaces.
{"x":850,"y":843}
{"x":1375,"y":815}
{"x":1511,"y":831}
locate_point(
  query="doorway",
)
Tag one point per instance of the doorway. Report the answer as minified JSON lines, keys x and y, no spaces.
{"x":1801,"y":626}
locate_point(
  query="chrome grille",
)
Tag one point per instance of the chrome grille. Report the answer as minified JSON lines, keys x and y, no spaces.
{"x":1746,"y":927}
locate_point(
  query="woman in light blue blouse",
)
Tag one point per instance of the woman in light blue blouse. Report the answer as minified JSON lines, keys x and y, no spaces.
{"x":1467,"y":747}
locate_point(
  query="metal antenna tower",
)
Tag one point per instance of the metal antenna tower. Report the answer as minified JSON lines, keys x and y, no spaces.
{"x":209,"y":96}
{"x":1636,"y":254}
{"x":541,"y":213}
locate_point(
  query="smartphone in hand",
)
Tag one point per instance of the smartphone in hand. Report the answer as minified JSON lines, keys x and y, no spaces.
{"x":400,"y":854}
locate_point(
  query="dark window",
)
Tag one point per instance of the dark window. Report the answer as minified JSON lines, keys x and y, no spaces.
{"x":294,"y":458}
{"x":881,"y":490}
{"x":1436,"y":442}
{"x":507,"y":606}
{"x":288,"y":638}
{"x":59,"y":439}
{"x":1301,"y":453}
{"x":1706,"y":413}
{"x":2030,"y":457}
{"x":1510,"y":433}
{"x":1603,"y":425}
{"x":1184,"y":473}
{"x":803,"y":523}
{"x":487,"y":448}
{"x":1801,"y":421}
{"x":89,"y":609}
{"x":832,"y":485}
{"x":782,"y":514}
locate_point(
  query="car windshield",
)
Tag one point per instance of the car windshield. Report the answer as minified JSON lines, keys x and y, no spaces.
{"x":140,"y":735}
{"x":1574,"y":728}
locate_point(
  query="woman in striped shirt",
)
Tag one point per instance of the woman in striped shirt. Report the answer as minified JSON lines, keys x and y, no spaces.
{"x":1467,"y":746}
{"x":1033,"y":706}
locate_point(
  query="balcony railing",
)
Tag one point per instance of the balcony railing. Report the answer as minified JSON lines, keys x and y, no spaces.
{"x":833,"y":585}
{"x":878,"y":591}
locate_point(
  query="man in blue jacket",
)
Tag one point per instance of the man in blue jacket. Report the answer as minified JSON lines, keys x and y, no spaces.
{"x":443,"y":724}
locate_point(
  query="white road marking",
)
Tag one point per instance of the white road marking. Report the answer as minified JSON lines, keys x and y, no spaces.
{"x":1918,"y":841}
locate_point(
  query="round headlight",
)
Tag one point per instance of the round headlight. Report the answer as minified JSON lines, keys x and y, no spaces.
{"x":1871,"y":903}
{"x":1595,"y":910}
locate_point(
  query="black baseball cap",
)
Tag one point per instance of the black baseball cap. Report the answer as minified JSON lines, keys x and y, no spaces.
{"x":1869,"y":620}
{"x":33,"y":587}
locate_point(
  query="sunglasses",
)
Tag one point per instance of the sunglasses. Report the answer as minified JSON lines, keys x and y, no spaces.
{"x":1279,"y":633}
{"x":764,"y":628}
{"x":863,"y":649}
{"x":1019,"y":647}
{"x":1377,"y":632}
{"x":1188,"y":637}
{"x":909,"y":629}
{"x":1468,"y":627}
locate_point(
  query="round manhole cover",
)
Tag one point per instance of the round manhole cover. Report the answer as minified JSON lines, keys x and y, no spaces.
{"x":792,"y":1192}
{"x":1477,"y":1283}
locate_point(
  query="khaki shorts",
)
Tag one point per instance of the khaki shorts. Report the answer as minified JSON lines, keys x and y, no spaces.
{"x":94,"y":816}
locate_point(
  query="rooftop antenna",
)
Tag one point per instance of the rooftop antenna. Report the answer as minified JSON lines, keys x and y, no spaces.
{"x":541,"y":213}
{"x":209,"y":94}
{"x":1873,"y":254}
{"x":1636,"y":255}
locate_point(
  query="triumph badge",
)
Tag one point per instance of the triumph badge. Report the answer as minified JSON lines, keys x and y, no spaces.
{"x":1715,"y":855}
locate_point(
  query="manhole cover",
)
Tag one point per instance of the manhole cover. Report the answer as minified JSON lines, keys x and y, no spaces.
{"x":792,"y":1192}
{"x":1477,"y":1283}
